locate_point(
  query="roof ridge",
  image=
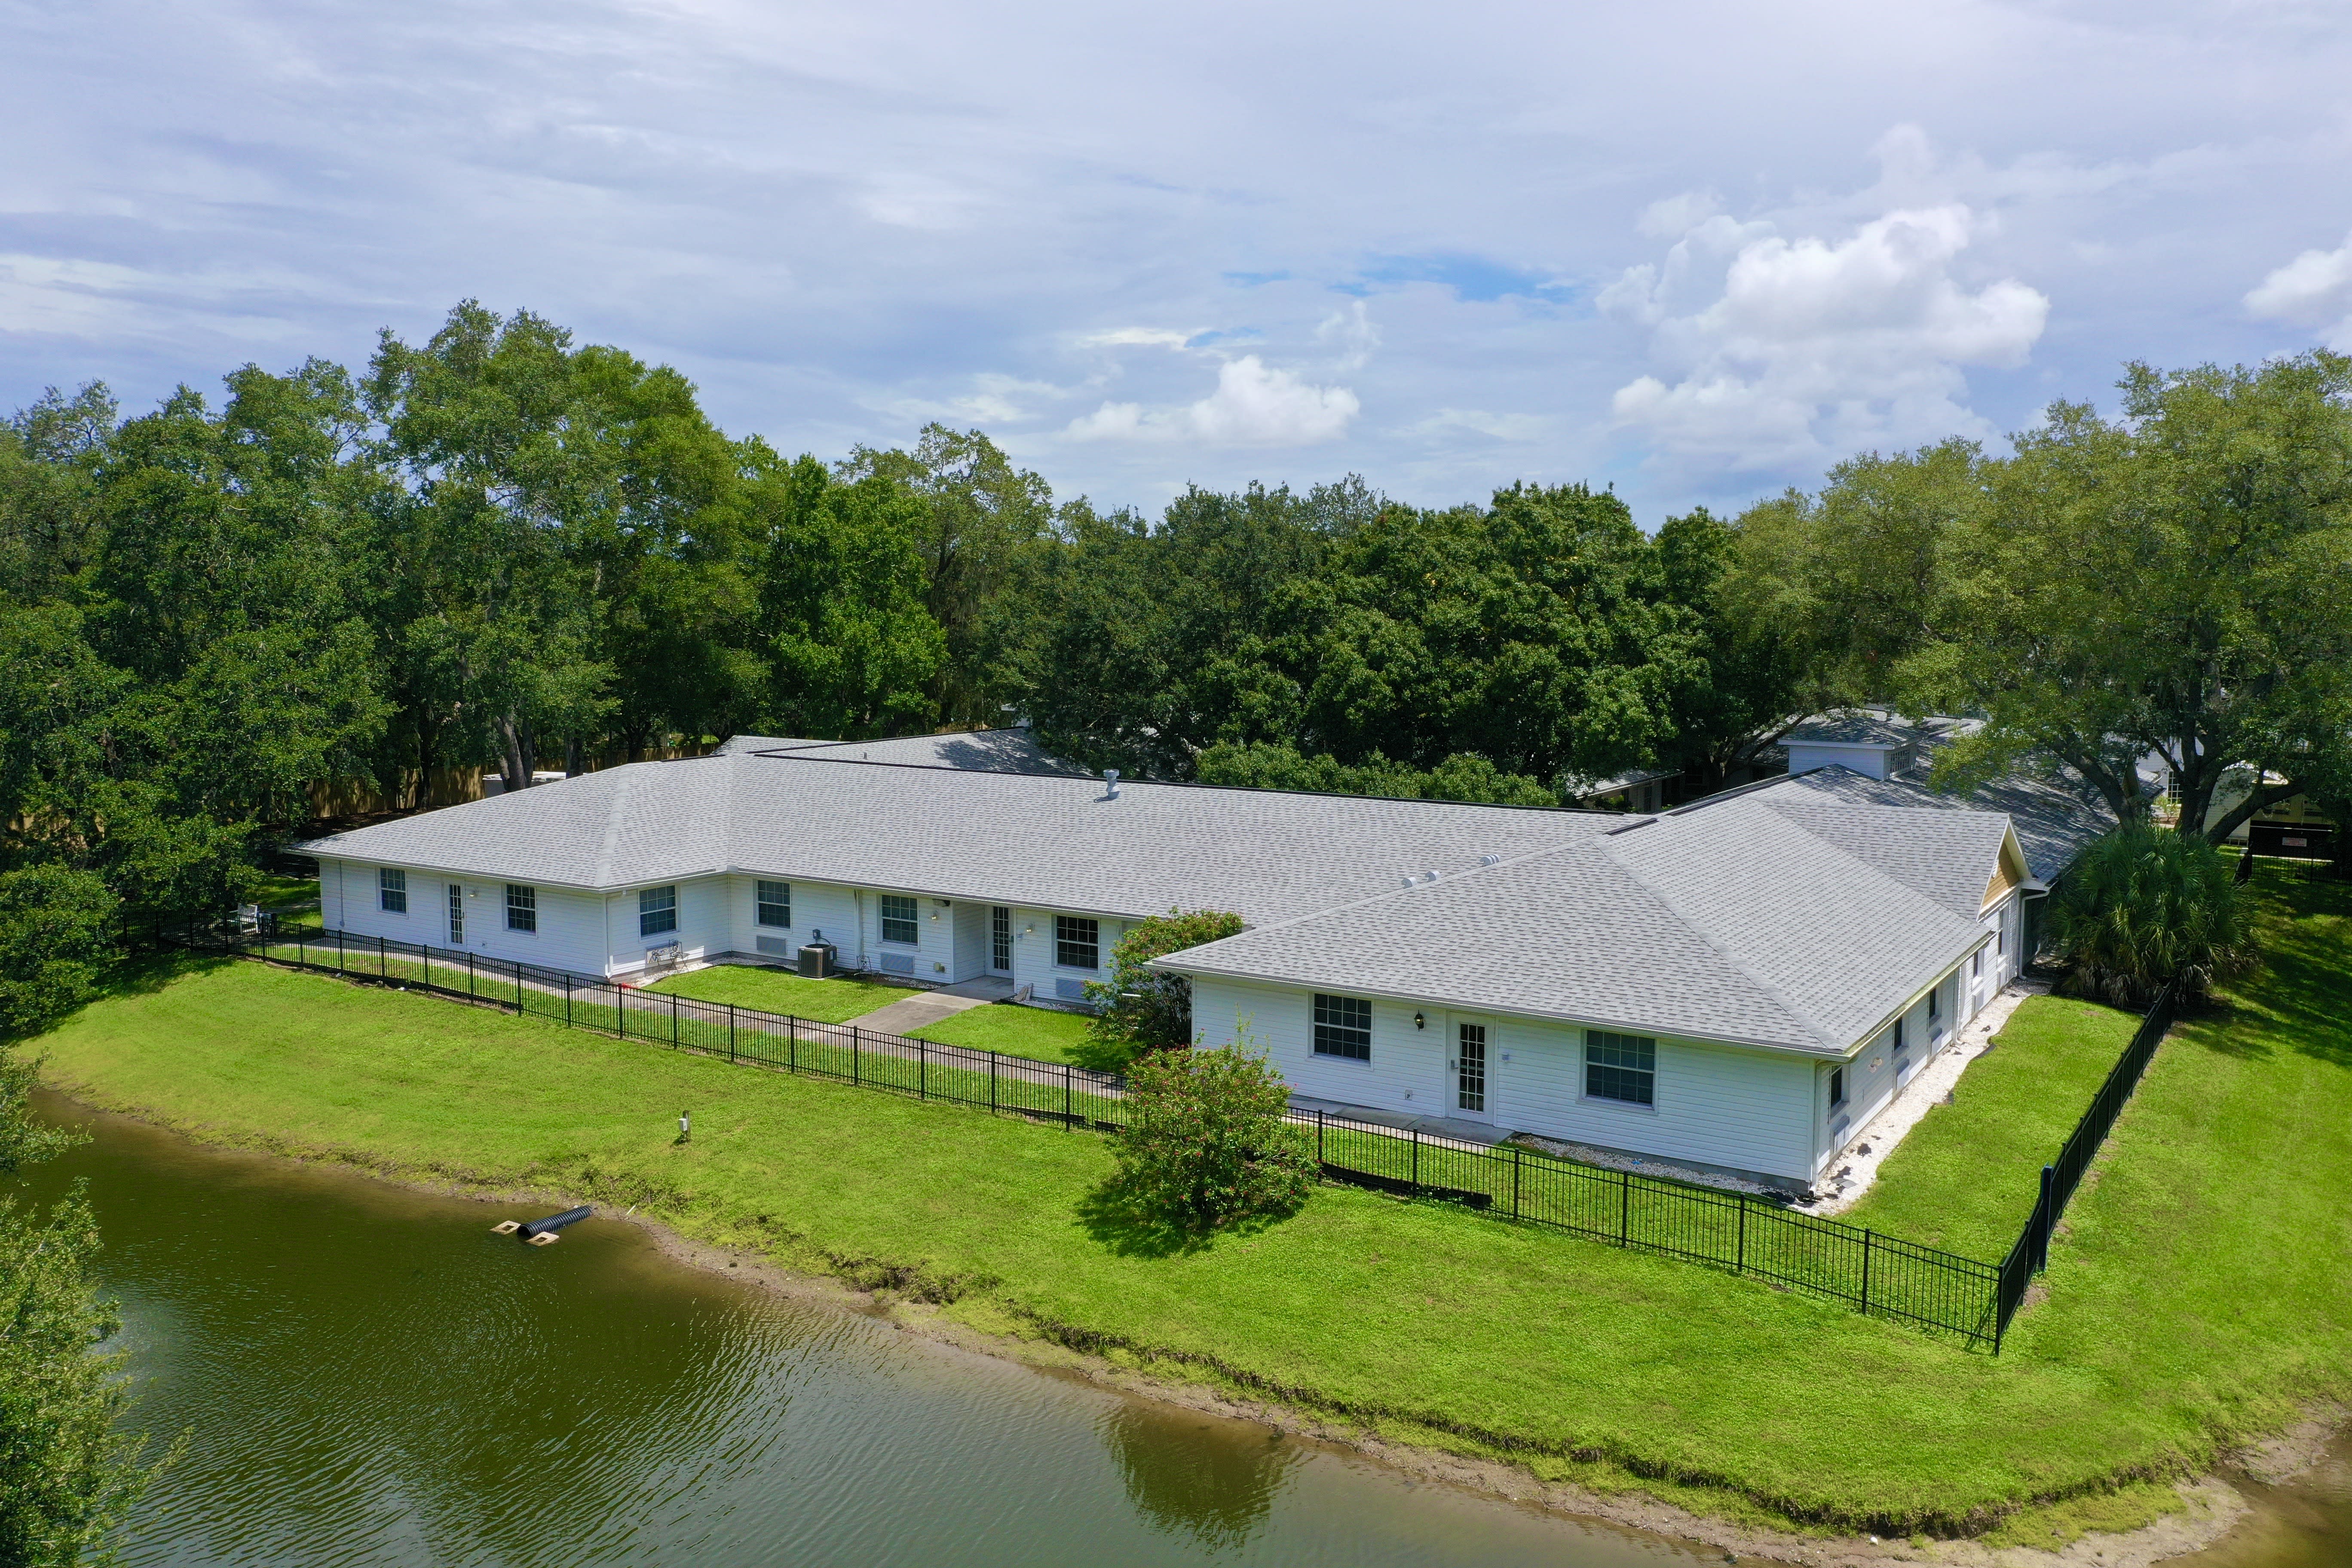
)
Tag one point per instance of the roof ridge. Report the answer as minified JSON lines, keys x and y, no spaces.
{"x":1707,"y":934}
{"x":609,"y":845}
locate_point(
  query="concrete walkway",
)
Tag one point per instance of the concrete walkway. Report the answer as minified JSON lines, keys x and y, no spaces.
{"x":1470,"y":1135}
{"x":911,"y":1013}
{"x":1857,"y":1168}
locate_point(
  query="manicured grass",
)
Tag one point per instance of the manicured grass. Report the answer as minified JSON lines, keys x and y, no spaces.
{"x":286,"y":892}
{"x":1038,"y":1032}
{"x":1968,"y":1175}
{"x":2198,"y":1293}
{"x":780,"y":991}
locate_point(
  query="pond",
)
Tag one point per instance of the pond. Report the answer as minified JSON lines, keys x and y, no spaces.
{"x":370,"y":1377}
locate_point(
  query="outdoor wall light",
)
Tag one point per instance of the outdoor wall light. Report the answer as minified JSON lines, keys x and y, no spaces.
{"x":1419,"y":1022}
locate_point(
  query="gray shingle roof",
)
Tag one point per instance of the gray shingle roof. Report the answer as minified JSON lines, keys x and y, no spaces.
{"x":1050,"y":842}
{"x":2053,"y":824}
{"x":1739,"y":922}
{"x":1851,"y":729}
{"x":990,"y":751}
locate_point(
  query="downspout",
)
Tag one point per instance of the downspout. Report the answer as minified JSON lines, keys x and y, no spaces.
{"x":857,"y":900}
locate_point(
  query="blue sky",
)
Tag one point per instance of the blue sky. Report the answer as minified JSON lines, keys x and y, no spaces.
{"x":1699,"y":251}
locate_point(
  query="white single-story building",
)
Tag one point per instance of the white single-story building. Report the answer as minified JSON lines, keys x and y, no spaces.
{"x":1739,"y":984}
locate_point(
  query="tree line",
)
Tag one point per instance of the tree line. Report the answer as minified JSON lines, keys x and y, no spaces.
{"x":502,"y":549}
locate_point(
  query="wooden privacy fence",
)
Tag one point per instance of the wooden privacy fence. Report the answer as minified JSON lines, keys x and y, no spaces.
{"x":1875,"y":1273}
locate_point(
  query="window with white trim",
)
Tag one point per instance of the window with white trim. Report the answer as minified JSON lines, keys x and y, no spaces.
{"x":522,"y":907}
{"x":656,"y":911}
{"x":773,"y":904}
{"x":1077,"y":942}
{"x":1622,"y":1067}
{"x":899,"y":918}
{"x":392,"y":889}
{"x":1343,"y":1027}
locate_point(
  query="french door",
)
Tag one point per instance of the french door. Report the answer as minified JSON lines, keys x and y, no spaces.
{"x":457,"y":915}
{"x":1468,"y":1069}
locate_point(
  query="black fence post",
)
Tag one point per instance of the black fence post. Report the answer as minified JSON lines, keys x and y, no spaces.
{"x":922,"y":1069}
{"x":469,"y":975}
{"x":1066,"y":1097}
{"x":1739,"y":1266}
{"x":1319,"y":1137}
{"x":1865,"y":1271}
{"x":621,"y":1008}
{"x":567,"y":998}
{"x":1413,"y":1133}
{"x":301,"y":950}
{"x":730,"y":1032}
{"x":2045,"y":1218}
{"x":792,"y":1042}
{"x":1624,"y":1208}
{"x":1517,"y":1159}
{"x":993,"y":1059}
{"x":382,"y":969}
{"x":673,"y":1020}
{"x":853,"y":1055}
{"x":340,"y":965}
{"x":518,"y":990}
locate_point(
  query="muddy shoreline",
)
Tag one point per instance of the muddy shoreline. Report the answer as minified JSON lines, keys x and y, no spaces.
{"x":2212,"y":1506}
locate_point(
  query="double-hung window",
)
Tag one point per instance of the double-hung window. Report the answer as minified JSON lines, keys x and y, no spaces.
{"x":522,"y":907}
{"x":1343,"y":1027}
{"x":775,"y":904}
{"x":1622,"y":1067}
{"x":1837,"y":1087}
{"x":656,"y":911}
{"x":898,"y":917}
{"x":1077,"y":942}
{"x":392,"y":889}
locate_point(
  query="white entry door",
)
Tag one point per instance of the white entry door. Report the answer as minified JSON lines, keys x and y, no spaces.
{"x":1470,"y":1070}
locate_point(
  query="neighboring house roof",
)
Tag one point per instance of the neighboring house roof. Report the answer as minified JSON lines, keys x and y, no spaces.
{"x":2053,"y":824}
{"x":1850,"y":730}
{"x":987,"y":750}
{"x":1624,"y":780}
{"x":1001,"y":837}
{"x":1746,"y":922}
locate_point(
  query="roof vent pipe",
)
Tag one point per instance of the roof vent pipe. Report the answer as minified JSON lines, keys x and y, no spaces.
{"x":1110,"y":778}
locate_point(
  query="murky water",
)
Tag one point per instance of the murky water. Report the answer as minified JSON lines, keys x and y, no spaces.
{"x":2306,"y":1523}
{"x":371,"y":1377}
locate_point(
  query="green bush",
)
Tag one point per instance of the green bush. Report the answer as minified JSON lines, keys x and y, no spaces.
{"x":2142,"y":906}
{"x":1205,"y":1147}
{"x":1140,"y":1008}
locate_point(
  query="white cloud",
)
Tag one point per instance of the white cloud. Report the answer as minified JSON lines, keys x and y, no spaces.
{"x":1450,"y":424}
{"x":1139,"y":337}
{"x":1254,"y":405}
{"x":1671,"y":216}
{"x":1813,"y":349}
{"x":1353,"y":331}
{"x":2315,"y":289}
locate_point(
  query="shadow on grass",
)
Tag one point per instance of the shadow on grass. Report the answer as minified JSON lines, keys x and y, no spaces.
{"x":1112,"y":1218}
{"x":1101,"y":1055}
{"x":2303,"y":989}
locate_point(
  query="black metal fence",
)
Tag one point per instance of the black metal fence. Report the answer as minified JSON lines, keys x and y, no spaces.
{"x":2031,"y":1256}
{"x":1872,"y":1272}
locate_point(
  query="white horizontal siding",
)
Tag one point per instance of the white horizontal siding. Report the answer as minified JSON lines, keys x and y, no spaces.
{"x":1717,"y":1105}
{"x":571,"y":934}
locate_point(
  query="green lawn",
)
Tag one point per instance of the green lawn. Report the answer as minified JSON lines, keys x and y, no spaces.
{"x":1037,"y":1032}
{"x":780,"y":991}
{"x":286,"y":892}
{"x":1968,"y":1175}
{"x":2198,"y":1293}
